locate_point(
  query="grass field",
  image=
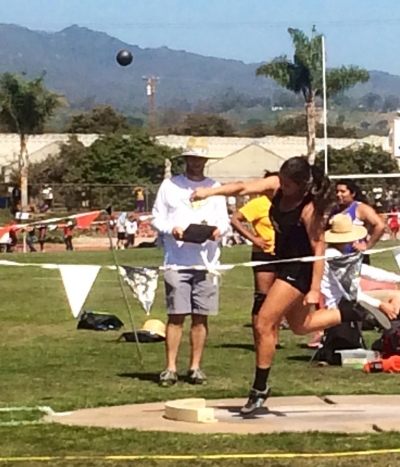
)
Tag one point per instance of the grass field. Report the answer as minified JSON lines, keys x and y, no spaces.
{"x":45,"y":361}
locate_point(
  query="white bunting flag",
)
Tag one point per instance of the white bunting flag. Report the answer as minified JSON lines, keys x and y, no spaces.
{"x":396,"y":254}
{"x":78,"y":280}
{"x":143,"y":282}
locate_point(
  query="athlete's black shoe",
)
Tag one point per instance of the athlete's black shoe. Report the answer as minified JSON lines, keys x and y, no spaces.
{"x":255,"y":402}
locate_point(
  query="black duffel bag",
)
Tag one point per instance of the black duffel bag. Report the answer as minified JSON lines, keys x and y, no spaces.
{"x":96,"y":321}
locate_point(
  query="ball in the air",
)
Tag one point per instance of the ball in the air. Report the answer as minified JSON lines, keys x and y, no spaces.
{"x":124,"y":57}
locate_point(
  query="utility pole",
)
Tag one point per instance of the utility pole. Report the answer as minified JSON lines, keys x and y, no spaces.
{"x":150,"y":91}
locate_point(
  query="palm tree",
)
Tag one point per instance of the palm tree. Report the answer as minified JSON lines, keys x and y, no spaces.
{"x":303,"y":76}
{"x":25,"y":106}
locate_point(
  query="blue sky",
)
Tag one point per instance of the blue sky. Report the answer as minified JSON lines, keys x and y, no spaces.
{"x":361,"y":32}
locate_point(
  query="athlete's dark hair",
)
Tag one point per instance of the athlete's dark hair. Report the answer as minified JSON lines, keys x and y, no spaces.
{"x":354,"y":189}
{"x":316,"y":184}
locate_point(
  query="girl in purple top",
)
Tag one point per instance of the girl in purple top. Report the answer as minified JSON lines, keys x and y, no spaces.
{"x":351,"y":201}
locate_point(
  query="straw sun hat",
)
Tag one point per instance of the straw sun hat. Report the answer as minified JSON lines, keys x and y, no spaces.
{"x":343,"y":231}
{"x":197,"y":147}
{"x":154,"y":326}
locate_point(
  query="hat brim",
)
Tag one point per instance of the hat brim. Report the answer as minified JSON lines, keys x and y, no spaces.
{"x":358,"y":232}
{"x":157,"y":332}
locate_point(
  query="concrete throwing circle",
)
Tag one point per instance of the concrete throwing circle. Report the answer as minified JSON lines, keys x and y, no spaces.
{"x":345,"y":414}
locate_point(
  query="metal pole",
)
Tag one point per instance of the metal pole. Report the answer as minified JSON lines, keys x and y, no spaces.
{"x":151,"y":91}
{"x":325,"y":106}
{"x":152,"y":87}
{"x":121,"y":285}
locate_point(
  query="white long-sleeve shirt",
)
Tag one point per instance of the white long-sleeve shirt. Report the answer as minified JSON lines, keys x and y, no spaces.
{"x":173,"y":208}
{"x":333,"y":292}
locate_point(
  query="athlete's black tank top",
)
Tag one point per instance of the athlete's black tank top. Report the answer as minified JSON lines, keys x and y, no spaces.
{"x":291,"y":238}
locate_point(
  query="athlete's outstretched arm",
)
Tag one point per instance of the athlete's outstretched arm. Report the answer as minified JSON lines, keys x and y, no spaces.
{"x":253,"y":187}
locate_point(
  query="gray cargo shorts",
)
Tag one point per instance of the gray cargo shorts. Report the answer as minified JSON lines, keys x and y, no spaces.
{"x":191,"y":292}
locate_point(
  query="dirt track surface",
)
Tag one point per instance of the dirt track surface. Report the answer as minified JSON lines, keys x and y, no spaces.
{"x":84,"y":244}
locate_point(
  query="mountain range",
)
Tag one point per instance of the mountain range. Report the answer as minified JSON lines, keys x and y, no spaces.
{"x":81,"y":64}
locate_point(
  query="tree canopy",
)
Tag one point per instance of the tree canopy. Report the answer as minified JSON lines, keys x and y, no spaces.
{"x":100,"y":120}
{"x":26,"y":105}
{"x":304,"y":75}
{"x":362,"y":159}
{"x":114,"y":159}
{"x":204,"y":125}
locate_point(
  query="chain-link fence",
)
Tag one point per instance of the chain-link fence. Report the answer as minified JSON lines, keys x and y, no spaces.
{"x":85,"y":197}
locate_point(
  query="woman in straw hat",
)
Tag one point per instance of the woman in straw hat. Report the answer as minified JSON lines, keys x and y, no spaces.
{"x":299,"y":199}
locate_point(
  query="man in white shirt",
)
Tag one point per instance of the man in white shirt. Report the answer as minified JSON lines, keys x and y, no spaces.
{"x":188,"y":291}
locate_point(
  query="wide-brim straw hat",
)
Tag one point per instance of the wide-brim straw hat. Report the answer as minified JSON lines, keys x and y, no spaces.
{"x":197,"y":147}
{"x":344,"y":231}
{"x":154,"y":326}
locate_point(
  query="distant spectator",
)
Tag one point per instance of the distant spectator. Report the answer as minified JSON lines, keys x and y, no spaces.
{"x":42,"y":230}
{"x":121,"y":231}
{"x":12,"y":241}
{"x":394,"y":222}
{"x":68,"y":235}
{"x":47,"y":194}
{"x":131,"y":227}
{"x":30,"y":239}
{"x":15,"y":198}
{"x":139,"y":195}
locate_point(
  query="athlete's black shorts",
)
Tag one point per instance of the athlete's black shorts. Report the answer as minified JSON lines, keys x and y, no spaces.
{"x":297,"y":274}
{"x":261,"y":256}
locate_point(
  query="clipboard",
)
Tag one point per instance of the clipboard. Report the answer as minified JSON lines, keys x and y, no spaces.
{"x":198,"y":233}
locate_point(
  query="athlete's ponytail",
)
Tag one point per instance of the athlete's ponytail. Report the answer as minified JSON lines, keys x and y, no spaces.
{"x":316,"y":184}
{"x":320,"y":190}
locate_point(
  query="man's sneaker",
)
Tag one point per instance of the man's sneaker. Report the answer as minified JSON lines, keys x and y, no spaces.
{"x":255,"y":402}
{"x":196,"y":377}
{"x":377,"y":315}
{"x":168,"y":378}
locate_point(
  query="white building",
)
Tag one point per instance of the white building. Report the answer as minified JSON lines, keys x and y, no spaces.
{"x":236,"y":158}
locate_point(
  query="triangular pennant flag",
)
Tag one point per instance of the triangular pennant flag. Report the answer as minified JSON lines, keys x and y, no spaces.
{"x":83,"y":221}
{"x":78,"y":280}
{"x":143,"y":282}
{"x":396,"y":254}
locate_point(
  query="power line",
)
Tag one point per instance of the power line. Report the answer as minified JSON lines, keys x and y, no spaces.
{"x":224,"y":24}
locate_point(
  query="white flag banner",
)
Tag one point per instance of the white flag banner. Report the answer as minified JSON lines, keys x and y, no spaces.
{"x":78,"y":281}
{"x":143,"y":282}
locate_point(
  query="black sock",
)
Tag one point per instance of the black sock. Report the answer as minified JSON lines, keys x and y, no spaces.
{"x":260,"y":379}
